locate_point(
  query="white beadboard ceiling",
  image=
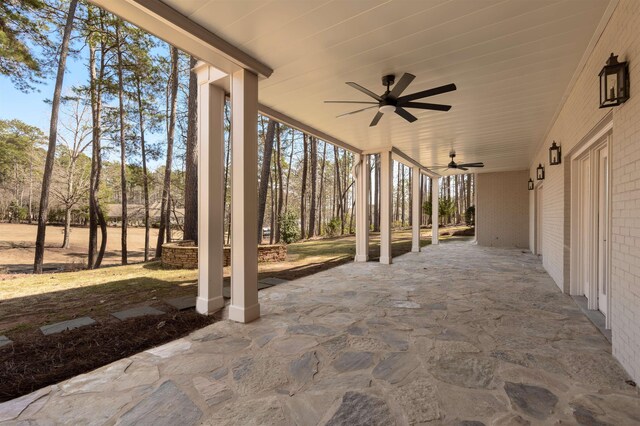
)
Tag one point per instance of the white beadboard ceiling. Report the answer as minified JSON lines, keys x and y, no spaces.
{"x":512,"y":61}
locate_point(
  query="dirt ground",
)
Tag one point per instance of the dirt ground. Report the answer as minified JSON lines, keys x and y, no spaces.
{"x":17,"y":247}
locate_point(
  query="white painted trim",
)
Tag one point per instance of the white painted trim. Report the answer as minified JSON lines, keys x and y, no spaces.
{"x":599,"y":137}
{"x":210,"y":132}
{"x":175,"y":28}
{"x":416,"y":205}
{"x":244,"y":197}
{"x":386,"y":203}
{"x":362,"y":175}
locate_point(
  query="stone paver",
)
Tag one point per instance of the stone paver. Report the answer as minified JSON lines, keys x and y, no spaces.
{"x":5,"y":341}
{"x":66,"y":325}
{"x":137,"y":312}
{"x":455,"y":335}
{"x":182,"y":303}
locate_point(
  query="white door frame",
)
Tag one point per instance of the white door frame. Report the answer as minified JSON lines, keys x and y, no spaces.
{"x":590,"y":147}
{"x":538,"y":200}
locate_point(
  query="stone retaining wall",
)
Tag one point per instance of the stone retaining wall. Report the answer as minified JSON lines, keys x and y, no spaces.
{"x":184,"y":254}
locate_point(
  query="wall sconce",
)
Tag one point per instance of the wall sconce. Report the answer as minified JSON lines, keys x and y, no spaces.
{"x":530,"y":184}
{"x":555,"y":157}
{"x":540,"y":172}
{"x":614,"y":83}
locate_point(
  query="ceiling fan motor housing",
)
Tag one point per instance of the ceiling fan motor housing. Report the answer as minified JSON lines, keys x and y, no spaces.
{"x":388,"y":80}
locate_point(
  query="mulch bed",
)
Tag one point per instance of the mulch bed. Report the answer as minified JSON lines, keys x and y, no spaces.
{"x":33,"y":362}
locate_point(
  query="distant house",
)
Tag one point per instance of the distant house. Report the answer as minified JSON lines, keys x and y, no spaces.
{"x":135,"y":214}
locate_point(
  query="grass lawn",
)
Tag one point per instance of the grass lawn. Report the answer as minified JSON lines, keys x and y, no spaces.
{"x":30,"y":301}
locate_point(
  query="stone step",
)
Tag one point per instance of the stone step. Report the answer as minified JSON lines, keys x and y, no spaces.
{"x":140,"y":311}
{"x":5,"y":341}
{"x":182,"y":303}
{"x":66,"y":325}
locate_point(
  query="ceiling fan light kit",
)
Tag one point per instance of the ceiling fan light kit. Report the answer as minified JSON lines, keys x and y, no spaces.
{"x":391,"y":101}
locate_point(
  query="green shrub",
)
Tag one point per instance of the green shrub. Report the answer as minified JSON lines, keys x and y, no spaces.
{"x":289,"y":231}
{"x":333,"y":227}
{"x":470,"y":215}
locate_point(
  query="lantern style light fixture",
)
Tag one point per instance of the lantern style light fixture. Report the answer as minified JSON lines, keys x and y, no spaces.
{"x":555,"y":157}
{"x":614,"y":83}
{"x":530,"y":184}
{"x":540,"y":172}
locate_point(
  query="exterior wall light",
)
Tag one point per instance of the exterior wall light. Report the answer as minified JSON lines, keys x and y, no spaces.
{"x":555,"y":156}
{"x":530,"y":184}
{"x":540,"y":172}
{"x":614,"y":83}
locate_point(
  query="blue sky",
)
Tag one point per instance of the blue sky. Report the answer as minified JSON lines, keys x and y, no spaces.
{"x":31,"y":107}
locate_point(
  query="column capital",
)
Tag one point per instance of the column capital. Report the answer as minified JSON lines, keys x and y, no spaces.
{"x":207,"y":73}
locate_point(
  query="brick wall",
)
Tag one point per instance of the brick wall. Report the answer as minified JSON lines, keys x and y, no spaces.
{"x":184,"y":254}
{"x":502,"y":207}
{"x":578,"y":116}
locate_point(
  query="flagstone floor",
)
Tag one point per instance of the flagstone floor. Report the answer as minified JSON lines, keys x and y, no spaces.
{"x":456,"y":335}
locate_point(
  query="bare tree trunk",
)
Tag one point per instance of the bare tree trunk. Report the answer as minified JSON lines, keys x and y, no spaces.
{"x":280,"y":186}
{"x":67,"y":228}
{"x":145,"y":174}
{"x":314,"y":172}
{"x":376,"y":193}
{"x":338,"y":182}
{"x":286,"y":196}
{"x":272,"y":213}
{"x":303,"y":191}
{"x":30,"y":219}
{"x":410,"y":191}
{"x":191,"y":160}
{"x":226,"y":174}
{"x":265,"y":172}
{"x":123,"y":147}
{"x":321,"y":196}
{"x":403,"y":194}
{"x":165,"y":223}
{"x":43,"y":212}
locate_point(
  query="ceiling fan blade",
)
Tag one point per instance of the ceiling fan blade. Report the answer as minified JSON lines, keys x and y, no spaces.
{"x":405,"y":114}
{"x":356,"y":111}
{"x":471,"y":165}
{"x":364,"y":90}
{"x":426,"y":93}
{"x":376,"y":118}
{"x":401,"y":85}
{"x":461,"y":168}
{"x":351,"y":102}
{"x":423,"y":105}
{"x":437,"y":167}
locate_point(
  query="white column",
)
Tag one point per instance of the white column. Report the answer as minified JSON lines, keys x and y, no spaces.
{"x":386,"y":202}
{"x":210,"y":189}
{"x":244,"y":197}
{"x":416,"y":205}
{"x":435,"y":202}
{"x":362,"y":176}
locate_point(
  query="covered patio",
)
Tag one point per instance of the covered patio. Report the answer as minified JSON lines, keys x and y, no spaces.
{"x":456,"y":334}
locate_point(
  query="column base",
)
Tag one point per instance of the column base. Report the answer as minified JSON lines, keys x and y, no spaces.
{"x":385,"y":260}
{"x":361,"y":258}
{"x":435,"y":242}
{"x":415,"y":249}
{"x":209,"y":306}
{"x":244,"y":315}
